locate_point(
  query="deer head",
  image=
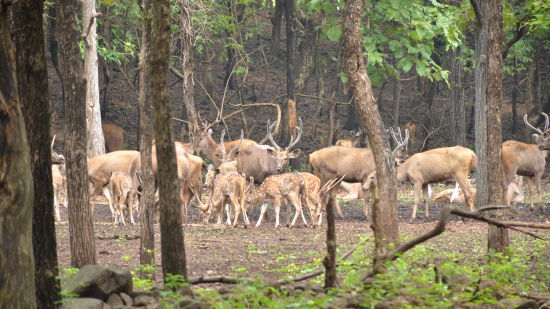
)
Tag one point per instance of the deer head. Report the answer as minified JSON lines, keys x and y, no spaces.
{"x":282,"y":156}
{"x":542,"y":139}
{"x":399,"y":155}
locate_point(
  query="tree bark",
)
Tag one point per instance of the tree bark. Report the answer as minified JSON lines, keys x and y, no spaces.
{"x":81,"y":229}
{"x":147,"y":243}
{"x":32,"y":80}
{"x":330,"y":260}
{"x":488,"y":75}
{"x":515,"y":97}
{"x":289,"y":108}
{"x":17,"y":279}
{"x":396,"y":102}
{"x":187,"y":70}
{"x":276,"y":21}
{"x":384,"y":217}
{"x":458,"y":109}
{"x":96,"y":142}
{"x":172,"y":242}
{"x":54,"y":53}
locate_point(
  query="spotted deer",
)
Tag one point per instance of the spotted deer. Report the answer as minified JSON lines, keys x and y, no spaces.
{"x":277,"y":189}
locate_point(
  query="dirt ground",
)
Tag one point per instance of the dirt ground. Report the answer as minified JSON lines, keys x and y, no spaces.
{"x":272,"y":253}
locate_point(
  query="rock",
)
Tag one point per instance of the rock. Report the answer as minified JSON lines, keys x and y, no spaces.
{"x":99,"y":282}
{"x":518,"y":303}
{"x":144,"y":300}
{"x":115,"y":301}
{"x":84,"y":303}
{"x":128,"y":301}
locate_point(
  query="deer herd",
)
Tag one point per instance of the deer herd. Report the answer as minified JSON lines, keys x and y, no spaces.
{"x":244,"y":174}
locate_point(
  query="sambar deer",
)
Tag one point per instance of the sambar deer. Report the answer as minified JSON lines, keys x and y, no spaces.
{"x":59,"y":182}
{"x":114,"y":136}
{"x":438,"y":165}
{"x":411,"y":127}
{"x":189,"y":169}
{"x":528,"y":160}
{"x":213,"y":150}
{"x":261,"y":161}
{"x":353,"y":164}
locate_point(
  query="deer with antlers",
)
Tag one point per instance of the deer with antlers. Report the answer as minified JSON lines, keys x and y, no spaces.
{"x":261,"y":161}
{"x":437,"y":165}
{"x":213,"y":150}
{"x":527,"y":160}
{"x":353,"y":164}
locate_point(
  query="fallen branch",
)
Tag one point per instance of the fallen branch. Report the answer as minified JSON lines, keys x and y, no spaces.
{"x":215,"y":279}
{"x":125,"y":237}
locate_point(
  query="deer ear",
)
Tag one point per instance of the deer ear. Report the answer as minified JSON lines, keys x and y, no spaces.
{"x":536,"y":138}
{"x":237,"y":153}
{"x":270,"y":151}
{"x":294,"y":153}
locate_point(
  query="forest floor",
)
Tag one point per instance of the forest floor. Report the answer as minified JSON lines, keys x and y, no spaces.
{"x":279,"y":253}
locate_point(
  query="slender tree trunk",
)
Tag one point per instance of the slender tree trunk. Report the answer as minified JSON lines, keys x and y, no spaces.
{"x":147,"y":243}
{"x":515,"y":97}
{"x":32,"y":80}
{"x":384,"y":217}
{"x":187,"y":70}
{"x":17,"y":279}
{"x":289,"y":109}
{"x":276,"y":21}
{"x":458,"y":109}
{"x":96,"y":142}
{"x":54,"y":48}
{"x":488,"y":75}
{"x":330,"y":260}
{"x":81,"y":229}
{"x":396,"y":102}
{"x":171,"y":234}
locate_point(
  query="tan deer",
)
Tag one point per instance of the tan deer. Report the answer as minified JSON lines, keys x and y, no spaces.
{"x":528,"y":160}
{"x":120,"y":188}
{"x":277,"y":189}
{"x":59,"y":182}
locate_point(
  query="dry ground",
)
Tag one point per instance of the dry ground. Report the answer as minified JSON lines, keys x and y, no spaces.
{"x":277,"y":253}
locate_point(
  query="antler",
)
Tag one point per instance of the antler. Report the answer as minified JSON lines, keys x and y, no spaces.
{"x":546,"y":121}
{"x":237,"y":145}
{"x":399,"y":139}
{"x":330,"y":185}
{"x":205,"y":124}
{"x":294,"y":142}
{"x":53,"y":141}
{"x":270,"y":127}
{"x":532,"y":127}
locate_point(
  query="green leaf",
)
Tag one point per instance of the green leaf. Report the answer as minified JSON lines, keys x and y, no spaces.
{"x":334,"y":33}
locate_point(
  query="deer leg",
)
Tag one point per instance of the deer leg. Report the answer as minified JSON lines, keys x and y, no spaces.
{"x":237,"y":211}
{"x":228,"y":213}
{"x":466,"y":190}
{"x":417,"y":189}
{"x":262,"y":213}
{"x":277,"y":206}
{"x":107,"y":194}
{"x":530,"y":192}
{"x":537,"y":188}
{"x":426,"y":195}
{"x":56,"y":206}
{"x":338,"y":209}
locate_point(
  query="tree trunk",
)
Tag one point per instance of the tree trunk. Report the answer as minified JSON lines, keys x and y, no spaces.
{"x":276,"y":20}
{"x":515,"y":97}
{"x":16,"y":185}
{"x":81,"y":229}
{"x":147,"y":239}
{"x":396,"y":102}
{"x":187,"y":70}
{"x":458,"y":109}
{"x":54,"y":48}
{"x":32,"y":80}
{"x":384,"y":217}
{"x":289,"y":108}
{"x":96,"y":142}
{"x":308,"y":42}
{"x":330,"y":260}
{"x":488,"y":75}
{"x":171,"y":233}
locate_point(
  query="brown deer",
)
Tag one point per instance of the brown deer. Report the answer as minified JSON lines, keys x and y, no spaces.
{"x":189,"y":174}
{"x":100,"y":169}
{"x":438,"y":165}
{"x":262,"y":161}
{"x":120,"y":188}
{"x":350,"y":142}
{"x":213,"y":151}
{"x":114,"y":136}
{"x":353,"y":164}
{"x":527,"y":160}
{"x":287,"y":187}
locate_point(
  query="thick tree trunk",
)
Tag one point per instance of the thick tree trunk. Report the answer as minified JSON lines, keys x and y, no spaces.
{"x":171,"y":233}
{"x":308,"y":43}
{"x":17,"y":279}
{"x":54,"y":48}
{"x":81,"y":229}
{"x":458,"y":109}
{"x":147,"y":243}
{"x":488,"y":75}
{"x":187,"y":70}
{"x":384,"y":217}
{"x":32,"y":80}
{"x":96,"y":142}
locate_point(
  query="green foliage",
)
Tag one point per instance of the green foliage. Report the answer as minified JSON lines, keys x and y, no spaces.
{"x":141,"y":275}
{"x":171,"y":297}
